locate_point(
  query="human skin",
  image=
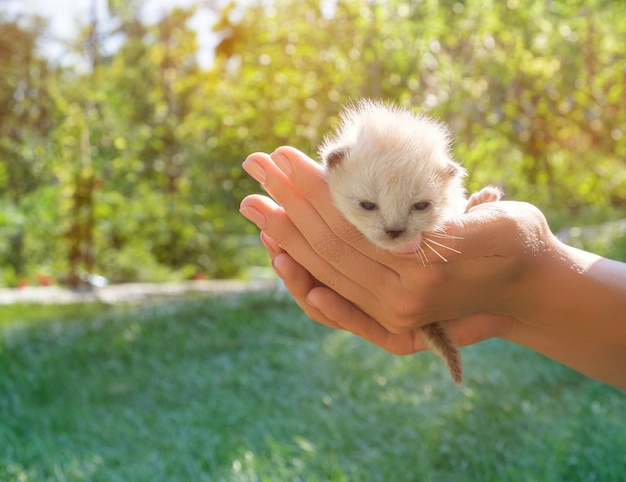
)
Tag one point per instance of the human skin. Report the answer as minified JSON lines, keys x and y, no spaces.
{"x":511,"y":278}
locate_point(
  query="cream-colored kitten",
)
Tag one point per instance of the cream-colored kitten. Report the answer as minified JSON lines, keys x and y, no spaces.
{"x":391,"y":175}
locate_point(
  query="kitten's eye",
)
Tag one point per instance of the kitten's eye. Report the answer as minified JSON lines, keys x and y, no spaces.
{"x":421,"y":206}
{"x":368,"y":206}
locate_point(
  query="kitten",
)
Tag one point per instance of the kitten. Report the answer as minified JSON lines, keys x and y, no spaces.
{"x":391,"y":175}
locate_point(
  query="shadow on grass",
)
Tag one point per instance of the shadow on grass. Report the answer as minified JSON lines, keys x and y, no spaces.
{"x":249,"y":389}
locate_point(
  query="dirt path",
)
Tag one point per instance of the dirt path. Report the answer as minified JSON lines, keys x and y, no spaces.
{"x":133,"y":292}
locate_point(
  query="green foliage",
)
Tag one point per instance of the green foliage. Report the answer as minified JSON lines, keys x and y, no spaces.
{"x":607,"y":239}
{"x":137,"y":150}
{"x":249,"y":389}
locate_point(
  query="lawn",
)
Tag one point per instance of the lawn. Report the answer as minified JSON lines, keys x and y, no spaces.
{"x":248,"y":389}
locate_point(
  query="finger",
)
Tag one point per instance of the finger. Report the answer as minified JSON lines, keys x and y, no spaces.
{"x":478,"y":327}
{"x":308,"y":177}
{"x":354,"y":320}
{"x":307,"y":203}
{"x":299,"y":283}
{"x":296,"y":279}
{"x":272,"y":247}
{"x":273,"y":220}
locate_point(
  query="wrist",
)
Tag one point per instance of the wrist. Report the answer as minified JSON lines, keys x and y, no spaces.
{"x":577,"y":292}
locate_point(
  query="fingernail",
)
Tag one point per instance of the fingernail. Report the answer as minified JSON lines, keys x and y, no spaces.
{"x":277,"y":263}
{"x":269,"y":248}
{"x":282,"y":162}
{"x":253,"y":215}
{"x":275,"y":267}
{"x":254,"y":169}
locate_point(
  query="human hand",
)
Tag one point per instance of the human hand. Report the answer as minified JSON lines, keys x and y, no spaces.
{"x":341,"y":280}
{"x":505,"y":275}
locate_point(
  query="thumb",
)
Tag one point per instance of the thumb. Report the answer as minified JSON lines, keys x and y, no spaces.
{"x":494,"y":229}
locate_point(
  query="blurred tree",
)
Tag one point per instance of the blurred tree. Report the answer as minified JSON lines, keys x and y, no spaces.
{"x":129,"y":160}
{"x":27,"y":116}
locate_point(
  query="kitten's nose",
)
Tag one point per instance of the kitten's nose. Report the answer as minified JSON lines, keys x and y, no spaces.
{"x":394,"y":233}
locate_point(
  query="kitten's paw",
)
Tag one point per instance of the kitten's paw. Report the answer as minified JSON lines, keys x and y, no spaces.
{"x":485,"y":195}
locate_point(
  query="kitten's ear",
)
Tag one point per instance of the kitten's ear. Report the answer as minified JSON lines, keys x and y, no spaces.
{"x":334,"y":157}
{"x":455,"y":170}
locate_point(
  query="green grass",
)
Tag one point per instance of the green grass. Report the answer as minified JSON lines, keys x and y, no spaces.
{"x":250,"y":390}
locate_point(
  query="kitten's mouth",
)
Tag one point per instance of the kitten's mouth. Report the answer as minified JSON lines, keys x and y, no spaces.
{"x":410,"y":248}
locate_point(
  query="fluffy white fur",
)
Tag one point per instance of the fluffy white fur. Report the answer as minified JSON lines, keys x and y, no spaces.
{"x":395,"y":160}
{"x":391,"y":175}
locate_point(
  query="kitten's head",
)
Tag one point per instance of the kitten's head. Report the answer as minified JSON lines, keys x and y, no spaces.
{"x":390,"y":173}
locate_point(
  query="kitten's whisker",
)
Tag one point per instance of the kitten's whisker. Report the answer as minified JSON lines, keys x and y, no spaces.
{"x":419,"y":253}
{"x":444,"y":246}
{"x":434,"y":251}
{"x":422,"y":256}
{"x":443,"y":235}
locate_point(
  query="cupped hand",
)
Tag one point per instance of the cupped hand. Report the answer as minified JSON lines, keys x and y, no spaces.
{"x":476,"y":280}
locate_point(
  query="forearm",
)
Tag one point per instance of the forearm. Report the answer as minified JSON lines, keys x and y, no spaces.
{"x":576,"y":313}
{"x":584,"y":293}
{"x":599,"y":361}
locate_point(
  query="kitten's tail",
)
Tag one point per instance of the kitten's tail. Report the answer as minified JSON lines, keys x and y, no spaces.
{"x":439,"y":341}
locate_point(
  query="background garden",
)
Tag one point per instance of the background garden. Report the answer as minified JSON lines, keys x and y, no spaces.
{"x":249,"y":390}
{"x":122,"y":156}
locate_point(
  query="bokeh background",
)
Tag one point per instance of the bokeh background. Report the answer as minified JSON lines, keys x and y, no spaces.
{"x":123,"y":124}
